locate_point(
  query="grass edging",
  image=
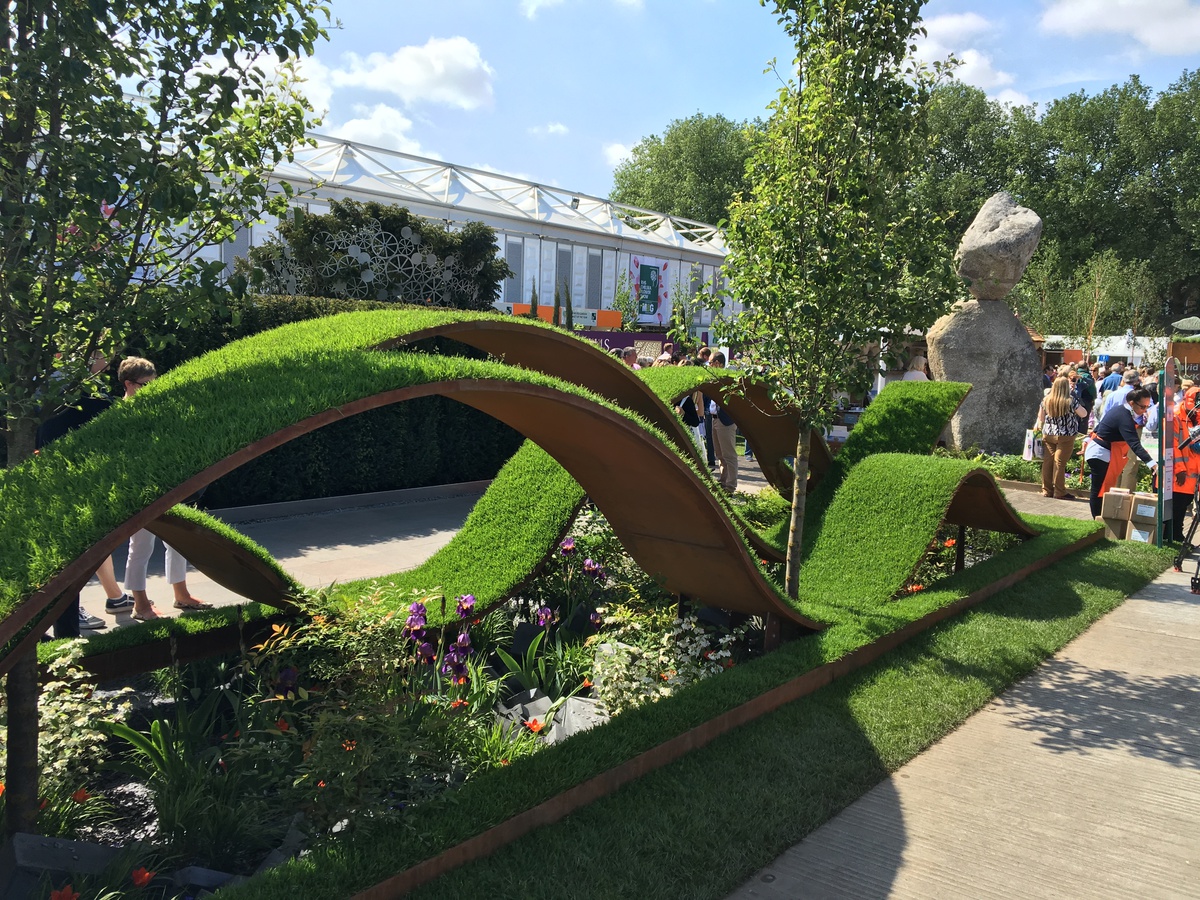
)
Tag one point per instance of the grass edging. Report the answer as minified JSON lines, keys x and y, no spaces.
{"x":501,"y":794}
{"x":763,"y":788}
{"x":593,"y":789}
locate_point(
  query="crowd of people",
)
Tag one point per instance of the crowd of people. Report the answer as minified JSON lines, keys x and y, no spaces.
{"x":1115,"y":410}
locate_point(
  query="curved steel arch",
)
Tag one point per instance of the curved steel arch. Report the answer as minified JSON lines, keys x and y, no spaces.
{"x":637,"y":482}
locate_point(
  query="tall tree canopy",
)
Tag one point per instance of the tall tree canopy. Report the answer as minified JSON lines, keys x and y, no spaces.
{"x":132,"y":135}
{"x":1112,"y":173}
{"x":832,"y":248}
{"x":694,"y":170}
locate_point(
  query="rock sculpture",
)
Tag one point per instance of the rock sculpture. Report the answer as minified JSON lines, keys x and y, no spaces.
{"x":982,"y":342}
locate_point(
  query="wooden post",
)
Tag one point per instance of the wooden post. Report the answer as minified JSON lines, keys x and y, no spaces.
{"x":772,"y":632}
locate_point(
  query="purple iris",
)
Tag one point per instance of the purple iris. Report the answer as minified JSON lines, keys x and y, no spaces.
{"x":426,"y":652}
{"x":567,"y":547}
{"x":464,"y":641}
{"x":545,"y":616}
{"x":593,"y":569}
{"x":596,"y":619}
{"x":466,"y":606}
{"x":416,"y":616}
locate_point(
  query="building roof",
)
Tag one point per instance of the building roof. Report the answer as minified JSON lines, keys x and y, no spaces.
{"x":339,"y":169}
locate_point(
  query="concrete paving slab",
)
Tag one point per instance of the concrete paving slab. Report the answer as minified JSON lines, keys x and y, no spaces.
{"x":320,"y":547}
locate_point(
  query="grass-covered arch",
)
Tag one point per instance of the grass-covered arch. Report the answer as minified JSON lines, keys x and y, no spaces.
{"x":128,"y":467}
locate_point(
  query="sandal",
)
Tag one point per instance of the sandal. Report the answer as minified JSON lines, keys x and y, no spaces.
{"x":138,"y":617}
{"x":195,"y":604}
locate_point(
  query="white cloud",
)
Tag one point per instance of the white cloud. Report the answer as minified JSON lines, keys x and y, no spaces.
{"x":1012,"y":98}
{"x":956,"y":34}
{"x":550,"y":128}
{"x":316,"y":86}
{"x":1160,"y":26}
{"x":380,"y":126}
{"x":977,"y":69}
{"x":447,"y":71}
{"x":615,"y":153}
{"x":530,"y":7}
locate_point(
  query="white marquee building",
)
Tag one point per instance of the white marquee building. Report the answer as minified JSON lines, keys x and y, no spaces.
{"x":547,"y":235}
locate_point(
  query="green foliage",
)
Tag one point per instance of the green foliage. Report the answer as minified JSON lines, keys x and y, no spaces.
{"x":122,"y":159}
{"x":1110,"y":173}
{"x":625,"y":302}
{"x":832,"y":249}
{"x":312,"y":255}
{"x":1101,"y":577}
{"x":71,"y":749}
{"x":695,"y":169}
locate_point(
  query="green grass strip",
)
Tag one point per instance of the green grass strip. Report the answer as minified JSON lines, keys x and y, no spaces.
{"x":338,"y":870}
{"x":765,"y":787}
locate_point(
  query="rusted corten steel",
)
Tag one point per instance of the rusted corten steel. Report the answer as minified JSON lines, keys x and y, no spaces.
{"x":226,"y":562}
{"x":979,"y":503}
{"x":665,"y":515}
{"x":767,"y":428}
{"x":564,"y":356}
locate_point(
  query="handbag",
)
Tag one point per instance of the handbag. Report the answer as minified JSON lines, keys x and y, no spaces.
{"x":1033,"y":445}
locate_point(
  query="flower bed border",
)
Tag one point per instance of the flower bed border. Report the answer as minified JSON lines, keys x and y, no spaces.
{"x":561,"y":805}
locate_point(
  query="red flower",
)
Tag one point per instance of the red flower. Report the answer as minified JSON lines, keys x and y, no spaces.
{"x":81,"y":796}
{"x":349,"y":745}
{"x":504,"y":762}
{"x":535,"y":726}
{"x":141,"y":877}
{"x":320,"y":784}
{"x":66,"y":892}
{"x":1,"y":788}
{"x":587,"y":682}
{"x":728,"y":664}
{"x":282,"y":724}
{"x":42,"y":804}
{"x":914,"y":588}
{"x":951,"y":542}
{"x":458,"y":703}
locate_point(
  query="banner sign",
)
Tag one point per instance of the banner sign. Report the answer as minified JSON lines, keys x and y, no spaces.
{"x":649,"y":278}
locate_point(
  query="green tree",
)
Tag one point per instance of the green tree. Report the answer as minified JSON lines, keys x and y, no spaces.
{"x":833,"y":246}
{"x":131,"y":136}
{"x":693,"y":170}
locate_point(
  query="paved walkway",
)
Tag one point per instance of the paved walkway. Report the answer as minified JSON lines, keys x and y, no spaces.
{"x":1081,"y":781}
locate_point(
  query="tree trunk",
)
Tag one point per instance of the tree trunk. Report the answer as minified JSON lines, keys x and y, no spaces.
{"x":21,"y":779}
{"x":796,"y":528}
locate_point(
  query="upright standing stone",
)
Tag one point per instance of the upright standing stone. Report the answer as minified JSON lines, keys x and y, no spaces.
{"x":982,"y":342}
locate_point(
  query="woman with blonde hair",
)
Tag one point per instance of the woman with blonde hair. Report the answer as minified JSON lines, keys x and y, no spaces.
{"x":1058,"y":420}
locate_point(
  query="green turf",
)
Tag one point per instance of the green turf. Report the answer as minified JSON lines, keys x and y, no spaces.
{"x":1113,"y":570}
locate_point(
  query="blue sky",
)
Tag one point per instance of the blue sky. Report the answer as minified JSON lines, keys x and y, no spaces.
{"x":557,"y":91}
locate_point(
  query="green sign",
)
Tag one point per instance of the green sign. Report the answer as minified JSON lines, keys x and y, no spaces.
{"x":648,"y":290}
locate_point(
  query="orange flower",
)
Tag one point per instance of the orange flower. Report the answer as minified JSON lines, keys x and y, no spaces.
{"x":141,"y":877}
{"x":458,"y":703}
{"x":66,"y":892}
{"x":349,"y":745}
{"x":587,"y":682}
{"x":1,"y":788}
{"x":951,"y":542}
{"x":320,"y":784}
{"x":81,"y":796}
{"x":913,"y":588}
{"x":535,"y":726}
{"x":282,"y":724}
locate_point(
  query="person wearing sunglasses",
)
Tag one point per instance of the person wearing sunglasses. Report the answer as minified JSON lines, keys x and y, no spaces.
{"x":1109,"y":446}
